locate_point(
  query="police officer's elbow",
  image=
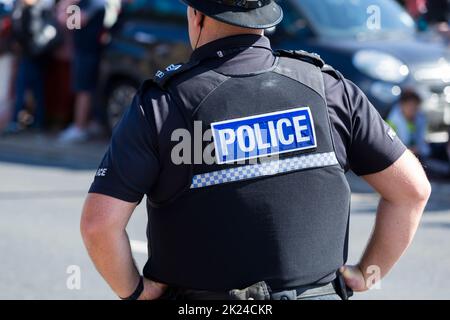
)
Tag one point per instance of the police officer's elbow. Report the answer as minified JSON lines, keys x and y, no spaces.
{"x":88,"y":229}
{"x":426,"y":191}
{"x":91,"y":227}
{"x":420,"y":191}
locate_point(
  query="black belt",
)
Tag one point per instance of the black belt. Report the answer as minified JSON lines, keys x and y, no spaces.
{"x":304,"y":292}
{"x":257,"y":291}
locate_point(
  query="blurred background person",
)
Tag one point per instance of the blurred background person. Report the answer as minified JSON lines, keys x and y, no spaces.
{"x":58,"y":86}
{"x":437,"y":11}
{"x":438,"y":16}
{"x":430,"y":14}
{"x":6,"y":62}
{"x":416,"y":8}
{"x":410,"y":123}
{"x":85,"y":65}
{"x":35,"y":31}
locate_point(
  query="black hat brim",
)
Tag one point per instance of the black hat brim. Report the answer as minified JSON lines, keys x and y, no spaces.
{"x":260,"y":18}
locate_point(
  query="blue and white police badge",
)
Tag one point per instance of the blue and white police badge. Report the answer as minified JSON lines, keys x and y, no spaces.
{"x":264,"y":135}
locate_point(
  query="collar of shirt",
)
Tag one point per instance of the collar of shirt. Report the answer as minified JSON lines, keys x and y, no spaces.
{"x":230,"y":55}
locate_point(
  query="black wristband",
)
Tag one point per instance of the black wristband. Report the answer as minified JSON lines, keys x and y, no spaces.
{"x":140,"y":287}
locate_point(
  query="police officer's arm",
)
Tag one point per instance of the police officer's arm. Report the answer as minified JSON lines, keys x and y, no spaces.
{"x":126,"y":173}
{"x":374,"y":152}
{"x":404,"y":190}
{"x":103,"y":228}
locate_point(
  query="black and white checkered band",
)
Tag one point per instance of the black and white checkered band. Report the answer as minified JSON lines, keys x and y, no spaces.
{"x":263,"y":169}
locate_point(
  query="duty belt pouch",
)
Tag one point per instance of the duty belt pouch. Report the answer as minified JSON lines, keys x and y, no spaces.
{"x":341,"y":288}
{"x":257,"y":291}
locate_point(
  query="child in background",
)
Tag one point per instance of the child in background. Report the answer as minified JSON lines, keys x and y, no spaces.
{"x":410,"y":123}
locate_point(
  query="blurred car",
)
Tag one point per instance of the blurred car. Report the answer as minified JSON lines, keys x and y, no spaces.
{"x":148,"y":35}
{"x":374,"y":43}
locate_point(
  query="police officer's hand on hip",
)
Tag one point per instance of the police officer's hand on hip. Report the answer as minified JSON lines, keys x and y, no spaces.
{"x":242,"y":154}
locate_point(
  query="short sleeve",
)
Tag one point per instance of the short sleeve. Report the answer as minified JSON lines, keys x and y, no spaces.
{"x":374,"y":146}
{"x":130,"y":166}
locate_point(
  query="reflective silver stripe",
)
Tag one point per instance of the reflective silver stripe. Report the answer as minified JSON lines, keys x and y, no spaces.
{"x":269,"y":168}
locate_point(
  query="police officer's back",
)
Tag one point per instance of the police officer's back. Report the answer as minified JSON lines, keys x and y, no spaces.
{"x":242,"y":153}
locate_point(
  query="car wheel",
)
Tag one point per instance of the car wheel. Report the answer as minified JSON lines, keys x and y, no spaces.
{"x":120,"y":96}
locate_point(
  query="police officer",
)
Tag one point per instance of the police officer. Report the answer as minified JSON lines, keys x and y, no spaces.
{"x":242,"y":153}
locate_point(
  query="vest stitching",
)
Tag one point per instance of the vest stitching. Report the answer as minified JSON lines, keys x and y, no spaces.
{"x":207,"y":96}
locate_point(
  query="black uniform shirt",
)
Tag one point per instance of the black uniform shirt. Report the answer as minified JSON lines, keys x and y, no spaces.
{"x":364,"y":142}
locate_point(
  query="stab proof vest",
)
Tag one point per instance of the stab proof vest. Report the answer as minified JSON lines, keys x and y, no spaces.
{"x":280,"y":213}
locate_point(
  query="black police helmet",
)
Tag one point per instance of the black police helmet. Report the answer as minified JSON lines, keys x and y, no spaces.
{"x":253,"y":14}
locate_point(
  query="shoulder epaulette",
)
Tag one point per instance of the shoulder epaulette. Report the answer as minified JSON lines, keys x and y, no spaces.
{"x":312,"y":58}
{"x":332,"y":71}
{"x":162,"y":77}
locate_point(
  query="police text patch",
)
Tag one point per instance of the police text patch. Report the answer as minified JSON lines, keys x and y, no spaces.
{"x":264,"y":135}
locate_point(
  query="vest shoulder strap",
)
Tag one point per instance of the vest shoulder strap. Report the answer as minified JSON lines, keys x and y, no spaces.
{"x":146,"y":85}
{"x":307,"y":71}
{"x":312,"y":58}
{"x":162,"y":77}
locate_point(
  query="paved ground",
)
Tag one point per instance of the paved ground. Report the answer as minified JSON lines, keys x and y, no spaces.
{"x":39,"y":234}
